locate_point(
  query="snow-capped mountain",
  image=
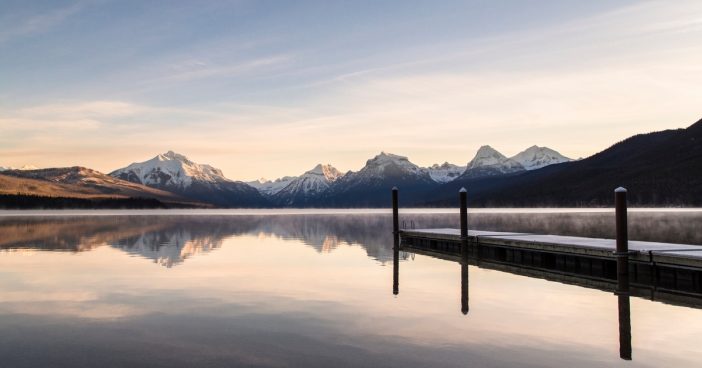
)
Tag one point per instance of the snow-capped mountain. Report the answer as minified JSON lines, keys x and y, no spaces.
{"x":271,"y":187}
{"x":536,"y":157}
{"x":23,"y":168}
{"x":170,"y":170}
{"x":387,"y":165}
{"x":370,"y":185}
{"x":445,"y":172}
{"x":308,"y":185}
{"x":176,"y":173}
{"x":489,"y":162}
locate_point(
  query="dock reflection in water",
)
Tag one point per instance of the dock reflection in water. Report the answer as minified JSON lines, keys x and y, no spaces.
{"x":622,"y":290}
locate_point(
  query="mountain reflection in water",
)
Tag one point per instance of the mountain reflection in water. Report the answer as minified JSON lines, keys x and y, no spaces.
{"x":170,"y":240}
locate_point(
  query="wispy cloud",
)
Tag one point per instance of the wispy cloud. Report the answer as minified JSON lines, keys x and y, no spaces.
{"x":199,"y":69}
{"x":37,"y":23}
{"x":83,"y":109}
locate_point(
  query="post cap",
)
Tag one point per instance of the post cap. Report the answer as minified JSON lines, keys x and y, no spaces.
{"x":620,"y":190}
{"x":394,"y":188}
{"x":463,"y":190}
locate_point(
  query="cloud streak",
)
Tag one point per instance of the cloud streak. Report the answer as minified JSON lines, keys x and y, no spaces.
{"x":39,"y":23}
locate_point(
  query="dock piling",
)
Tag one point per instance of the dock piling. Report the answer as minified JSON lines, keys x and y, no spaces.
{"x":463,"y":194}
{"x":621,"y":221}
{"x":622,"y":254}
{"x":395,"y":214}
{"x":622,"y":240}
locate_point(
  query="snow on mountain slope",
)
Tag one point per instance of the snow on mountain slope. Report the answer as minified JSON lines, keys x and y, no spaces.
{"x":23,"y":168}
{"x":445,"y":172}
{"x":176,"y":173}
{"x":489,"y":162}
{"x":384,"y":166}
{"x":369,"y":187}
{"x":170,"y":170}
{"x":271,"y":187}
{"x":536,"y":157}
{"x":309,"y":184}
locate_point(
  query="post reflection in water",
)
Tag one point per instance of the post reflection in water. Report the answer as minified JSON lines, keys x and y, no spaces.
{"x":624,"y":308}
{"x":624,"y":327}
{"x":396,"y":267}
{"x":464,"y":278}
{"x":464,"y":288}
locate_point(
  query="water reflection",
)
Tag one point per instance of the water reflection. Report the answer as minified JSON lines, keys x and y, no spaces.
{"x":305,"y":291}
{"x":464,"y":287}
{"x":624,"y":326}
{"x":170,"y":240}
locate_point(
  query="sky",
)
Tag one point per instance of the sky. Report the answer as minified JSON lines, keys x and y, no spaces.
{"x":271,"y":88}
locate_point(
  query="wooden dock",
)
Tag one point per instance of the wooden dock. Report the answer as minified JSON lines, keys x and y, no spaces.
{"x":670,"y":273}
{"x":673,"y":271}
{"x":668,"y":254}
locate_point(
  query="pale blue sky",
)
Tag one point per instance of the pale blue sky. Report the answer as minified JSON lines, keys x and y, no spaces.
{"x":270,"y":88}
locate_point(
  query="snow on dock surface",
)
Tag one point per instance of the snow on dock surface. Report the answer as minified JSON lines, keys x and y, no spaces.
{"x":666,"y":251}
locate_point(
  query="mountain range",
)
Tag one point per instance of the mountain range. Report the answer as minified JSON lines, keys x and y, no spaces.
{"x":660,"y":168}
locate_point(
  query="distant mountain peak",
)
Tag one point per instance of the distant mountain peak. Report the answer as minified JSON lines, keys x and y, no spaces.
{"x":388,"y":161}
{"x":536,"y":157}
{"x":306,"y":186}
{"x":170,"y":155}
{"x":489,"y":162}
{"x":22,"y":168}
{"x":445,"y":165}
{"x":170,"y":169}
{"x":445,"y":172}
{"x":488,"y":156}
{"x":384,"y":157}
{"x":329,"y":172}
{"x":271,"y":187}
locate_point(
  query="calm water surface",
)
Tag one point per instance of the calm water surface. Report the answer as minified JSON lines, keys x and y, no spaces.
{"x":302,"y":289}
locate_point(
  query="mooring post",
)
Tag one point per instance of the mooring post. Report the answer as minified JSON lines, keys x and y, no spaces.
{"x":395,"y":214}
{"x":622,"y":252}
{"x":463,"y":194}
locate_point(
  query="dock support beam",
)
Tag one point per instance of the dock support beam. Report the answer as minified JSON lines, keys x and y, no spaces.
{"x":395,"y":215}
{"x":396,"y":243}
{"x":622,"y":254}
{"x":462,"y":195}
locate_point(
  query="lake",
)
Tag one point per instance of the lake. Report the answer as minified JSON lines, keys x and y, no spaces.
{"x":314,"y":288}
